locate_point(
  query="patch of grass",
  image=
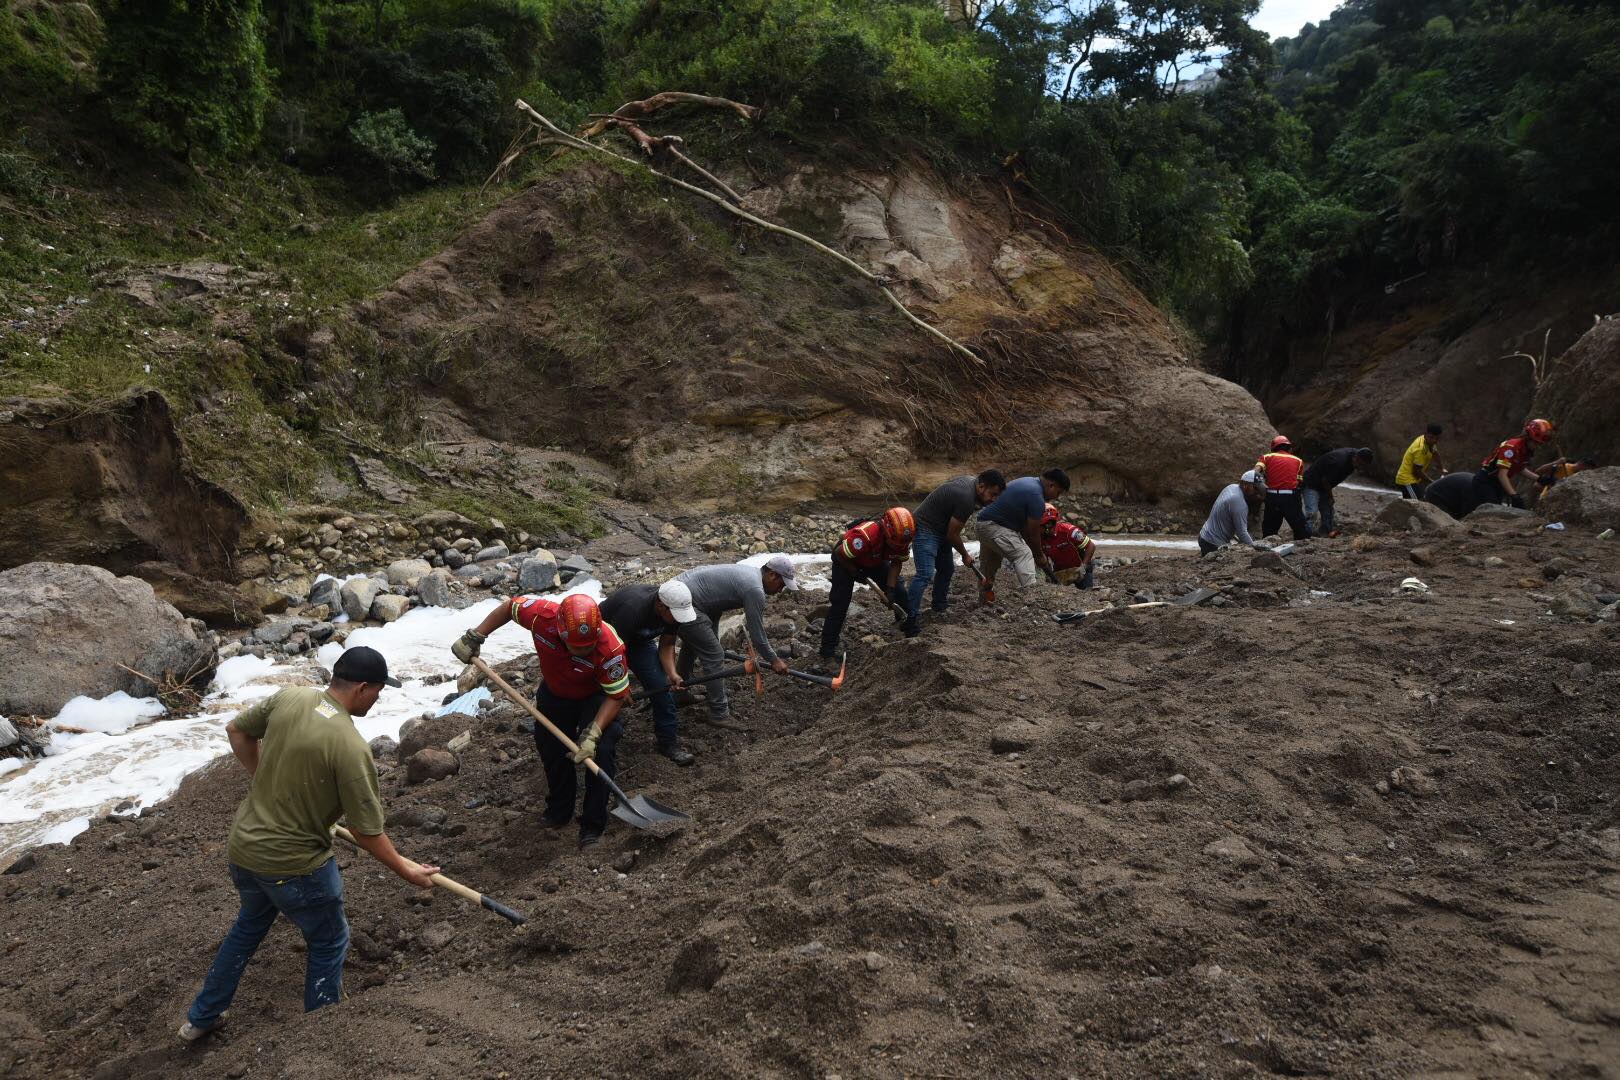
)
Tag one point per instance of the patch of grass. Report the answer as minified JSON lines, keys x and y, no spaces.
{"x":568,"y":509}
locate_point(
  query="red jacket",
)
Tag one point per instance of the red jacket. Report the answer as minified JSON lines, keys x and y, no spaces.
{"x":604,"y":670}
{"x":865,"y":546}
{"x":1513,"y":455}
{"x":1067,"y":546}
{"x":1281,"y":472}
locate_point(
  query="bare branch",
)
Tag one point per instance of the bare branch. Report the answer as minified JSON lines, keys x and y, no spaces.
{"x":636,"y":110}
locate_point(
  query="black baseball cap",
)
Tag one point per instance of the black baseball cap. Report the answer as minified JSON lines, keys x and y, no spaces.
{"x":362,"y":664}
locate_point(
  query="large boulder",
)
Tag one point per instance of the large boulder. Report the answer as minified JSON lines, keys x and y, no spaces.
{"x":434,"y":589}
{"x":217,"y":603}
{"x":405,"y":573}
{"x":1072,"y":366}
{"x":1590,"y":498}
{"x":1581,"y":394}
{"x":538,"y":573}
{"x":111,"y":486}
{"x":429,"y":731}
{"x":65,"y":629}
{"x":431,"y":764}
{"x":1411,"y":515}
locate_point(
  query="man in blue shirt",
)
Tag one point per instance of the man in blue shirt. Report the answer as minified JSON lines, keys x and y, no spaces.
{"x":1010,"y":529}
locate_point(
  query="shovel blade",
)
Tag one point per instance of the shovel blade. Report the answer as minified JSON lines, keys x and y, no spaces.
{"x":625,"y":814}
{"x":652,"y":811}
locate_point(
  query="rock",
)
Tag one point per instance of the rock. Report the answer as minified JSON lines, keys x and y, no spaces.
{"x":874,"y":961}
{"x":459,"y":743}
{"x":1422,"y":556}
{"x":428,"y":731}
{"x":1555,"y":568}
{"x":1495,"y":561}
{"x":538,"y":573}
{"x":1177,"y":782}
{"x":466,"y":545}
{"x":1233,"y":849}
{"x":625,"y":863}
{"x":1014,"y":737}
{"x":277,"y":631}
{"x":406,"y":573}
{"x":1497,"y":510}
{"x":1590,"y":499}
{"x":780,"y":627}
{"x":491,"y":553}
{"x":454,"y":559}
{"x":437,"y":936}
{"x":574,"y":566}
{"x":327,"y":591}
{"x":172,"y":663}
{"x":1269,"y":560}
{"x":1573,"y":605}
{"x":382,"y":746}
{"x":434,"y":589}
{"x":1136,"y":791}
{"x":430,"y":764}
{"x":1400,"y":514}
{"x":24,"y":863}
{"x":1413,"y":782}
{"x":358,"y":596}
{"x":388,"y":607}
{"x":65,"y":629}
{"x":376,"y":478}
{"x":811,"y":949}
{"x":1610,"y":614}
{"x":217,"y":603}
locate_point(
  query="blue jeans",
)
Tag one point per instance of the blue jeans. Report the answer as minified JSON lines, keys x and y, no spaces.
{"x":314,"y":904}
{"x":643,"y":657}
{"x":1316,"y":500}
{"x":926,"y":548}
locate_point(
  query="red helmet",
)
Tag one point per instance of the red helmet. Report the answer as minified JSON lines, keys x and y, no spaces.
{"x":580,"y":619}
{"x":898,"y":525}
{"x":1281,"y":441}
{"x":1049,"y":518}
{"x":1539,"y":430}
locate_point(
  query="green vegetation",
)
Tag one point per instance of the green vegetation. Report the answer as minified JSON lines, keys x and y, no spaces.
{"x":332,"y":143}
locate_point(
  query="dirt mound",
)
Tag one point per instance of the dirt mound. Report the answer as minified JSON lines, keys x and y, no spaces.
{"x":713,"y":363}
{"x":108,"y":484}
{"x":1582,"y":395}
{"x":1365,"y":846}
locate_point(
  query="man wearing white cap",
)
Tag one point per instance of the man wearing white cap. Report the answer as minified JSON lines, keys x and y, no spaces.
{"x":1229,"y":517}
{"x":717,"y":590}
{"x":647,"y":619}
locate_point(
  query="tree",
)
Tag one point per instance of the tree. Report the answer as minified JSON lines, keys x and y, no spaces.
{"x":1158,"y":39}
{"x":187,"y":76}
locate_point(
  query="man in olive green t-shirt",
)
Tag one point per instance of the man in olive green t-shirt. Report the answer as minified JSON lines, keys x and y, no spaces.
{"x":308,"y":767}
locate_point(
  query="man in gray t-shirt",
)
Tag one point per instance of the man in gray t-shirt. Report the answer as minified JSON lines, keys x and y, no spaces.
{"x":940,"y":520}
{"x":1229,"y":518}
{"x":717,"y":590}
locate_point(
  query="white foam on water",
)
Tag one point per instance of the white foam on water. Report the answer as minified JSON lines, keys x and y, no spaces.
{"x":115,"y":713}
{"x":87,"y":775}
{"x":66,"y":831}
{"x":1372,"y":489}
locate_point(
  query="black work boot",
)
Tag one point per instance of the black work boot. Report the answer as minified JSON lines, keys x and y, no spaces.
{"x":677,"y":753}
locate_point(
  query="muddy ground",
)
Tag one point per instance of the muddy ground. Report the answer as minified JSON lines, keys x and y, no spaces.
{"x":1393,"y":850}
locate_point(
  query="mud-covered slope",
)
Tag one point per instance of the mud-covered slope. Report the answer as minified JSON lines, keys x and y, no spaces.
{"x":716,"y":363}
{"x":1392,"y":854}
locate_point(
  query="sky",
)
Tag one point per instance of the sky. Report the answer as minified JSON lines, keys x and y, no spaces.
{"x":1283,"y":18}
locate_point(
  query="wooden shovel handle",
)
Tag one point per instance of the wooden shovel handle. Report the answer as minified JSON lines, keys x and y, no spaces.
{"x":539,"y":717}
{"x":451,"y":885}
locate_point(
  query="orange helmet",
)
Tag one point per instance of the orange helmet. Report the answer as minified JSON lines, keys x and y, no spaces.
{"x":898,"y":525}
{"x":1539,"y":430}
{"x":1049,"y":518}
{"x":1281,"y":441}
{"x":580,"y":619}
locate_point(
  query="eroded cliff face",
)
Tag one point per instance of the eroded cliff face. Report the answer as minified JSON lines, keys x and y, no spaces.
{"x":715,"y":364}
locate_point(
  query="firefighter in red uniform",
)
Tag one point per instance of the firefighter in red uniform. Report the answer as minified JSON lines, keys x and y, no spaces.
{"x":871,"y":551}
{"x":1072,"y":552}
{"x":584,"y":682}
{"x":1284,"y":476}
{"x":1494,"y":481}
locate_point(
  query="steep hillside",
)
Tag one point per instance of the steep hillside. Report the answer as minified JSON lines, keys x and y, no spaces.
{"x":712,"y":362}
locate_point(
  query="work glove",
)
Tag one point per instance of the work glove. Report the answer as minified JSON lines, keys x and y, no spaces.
{"x":587,"y":744}
{"x":467,"y":646}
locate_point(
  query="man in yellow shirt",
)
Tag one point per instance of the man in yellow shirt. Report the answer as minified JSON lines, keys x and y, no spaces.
{"x":307,"y":767}
{"x":1413,"y":475}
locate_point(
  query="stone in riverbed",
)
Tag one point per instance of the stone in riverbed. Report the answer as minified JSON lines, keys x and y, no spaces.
{"x":434,"y":589}
{"x":431,"y":764}
{"x":405,"y":573}
{"x":358,"y":596}
{"x":389,"y":607}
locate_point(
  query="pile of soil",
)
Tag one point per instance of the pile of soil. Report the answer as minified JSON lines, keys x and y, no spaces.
{"x":1315,"y":827}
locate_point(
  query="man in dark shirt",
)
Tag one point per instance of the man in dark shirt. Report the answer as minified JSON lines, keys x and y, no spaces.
{"x":940,"y":520}
{"x":647,"y":621}
{"x":1323,"y":475}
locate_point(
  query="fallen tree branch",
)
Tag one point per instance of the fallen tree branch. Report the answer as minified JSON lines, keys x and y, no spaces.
{"x":557,"y":135}
{"x":653,"y":145}
{"x":635,"y":110}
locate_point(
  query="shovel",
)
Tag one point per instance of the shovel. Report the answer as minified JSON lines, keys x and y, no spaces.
{"x":900,"y":613}
{"x":831,"y":682}
{"x":639,"y":812}
{"x":724,"y":673}
{"x":454,"y":886}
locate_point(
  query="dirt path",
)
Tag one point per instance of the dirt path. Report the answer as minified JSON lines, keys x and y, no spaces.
{"x":868,"y":889}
